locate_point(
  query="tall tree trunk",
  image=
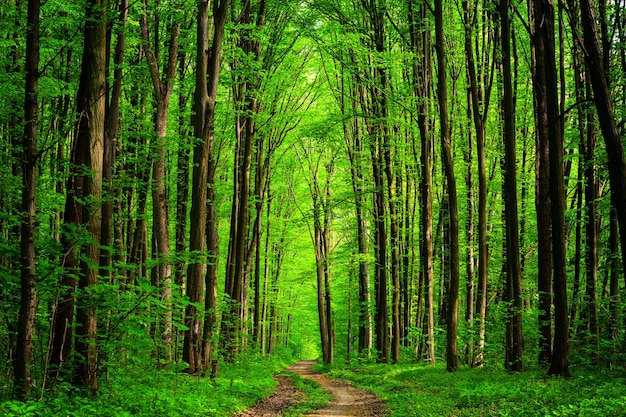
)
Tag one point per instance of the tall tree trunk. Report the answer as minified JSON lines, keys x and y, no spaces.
{"x":355,"y":150}
{"x":452,"y":319}
{"x":202,"y":216}
{"x":479,"y":94}
{"x":247,"y":106}
{"x":543,"y":204}
{"x":163,"y":87}
{"x":28,"y":299}
{"x":91,"y":100}
{"x":606,"y":117}
{"x":111,"y":131}
{"x":546,"y":96}
{"x":420,"y":42}
{"x":515,"y":343}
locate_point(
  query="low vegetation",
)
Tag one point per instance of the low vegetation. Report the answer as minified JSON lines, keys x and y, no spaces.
{"x":418,"y":390}
{"x":142,"y":391}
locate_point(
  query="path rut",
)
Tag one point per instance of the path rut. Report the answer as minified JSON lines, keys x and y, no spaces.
{"x":348,"y":401}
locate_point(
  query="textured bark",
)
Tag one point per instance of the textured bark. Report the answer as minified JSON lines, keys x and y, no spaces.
{"x":28,"y":275}
{"x":452,"y":319}
{"x":203,"y":242}
{"x":543,"y":204}
{"x":246,"y":91}
{"x":479,"y":92}
{"x":162,"y":83}
{"x":420,"y":42}
{"x":602,"y":98}
{"x":111,"y":131}
{"x":91,"y":100}
{"x":545,"y":84}
{"x":355,"y":149}
{"x":515,"y":342}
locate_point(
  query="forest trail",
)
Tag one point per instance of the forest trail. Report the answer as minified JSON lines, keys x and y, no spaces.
{"x":348,"y":401}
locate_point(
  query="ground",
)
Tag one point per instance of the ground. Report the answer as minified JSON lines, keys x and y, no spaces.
{"x":348,"y":401}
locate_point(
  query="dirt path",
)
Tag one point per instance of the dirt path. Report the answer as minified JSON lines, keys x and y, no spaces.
{"x":348,"y":401}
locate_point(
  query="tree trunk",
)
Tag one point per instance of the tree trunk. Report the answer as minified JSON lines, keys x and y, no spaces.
{"x":515,"y":344}
{"x":28,"y":300}
{"x":202,"y":216}
{"x":163,"y":86}
{"x":91,"y":99}
{"x":546,"y":94}
{"x":543,"y":204}
{"x":606,"y":116}
{"x":452,"y":319}
{"x":479,"y":95}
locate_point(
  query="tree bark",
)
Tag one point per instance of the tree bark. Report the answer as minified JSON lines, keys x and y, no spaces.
{"x":91,"y":100}
{"x":28,"y":281}
{"x":545,"y":84}
{"x":452,"y":319}
{"x":202,"y":215}
{"x":543,"y":204}
{"x":515,"y":343}
{"x":606,"y":117}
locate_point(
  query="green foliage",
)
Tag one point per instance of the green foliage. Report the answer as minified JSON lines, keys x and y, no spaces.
{"x":416,"y":390}
{"x":140,"y":390}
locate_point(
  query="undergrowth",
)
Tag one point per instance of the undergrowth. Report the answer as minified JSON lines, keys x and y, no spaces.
{"x":418,"y":390}
{"x":147,"y":392}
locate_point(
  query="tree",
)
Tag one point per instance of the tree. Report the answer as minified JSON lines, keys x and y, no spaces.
{"x":542,"y":189}
{"x":28,"y":283}
{"x":197,"y":344}
{"x":452,"y":320}
{"x":606,"y":116}
{"x":247,"y":107}
{"x":91,"y":100}
{"x":515,"y":337}
{"x":545,"y":85}
{"x":479,"y":95}
{"x":163,"y":87}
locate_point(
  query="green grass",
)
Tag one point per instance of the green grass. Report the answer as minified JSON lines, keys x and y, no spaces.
{"x":144,"y":391}
{"x":418,"y":390}
{"x":315,"y":396}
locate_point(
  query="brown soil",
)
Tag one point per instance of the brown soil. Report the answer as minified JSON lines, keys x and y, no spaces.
{"x":348,"y":401}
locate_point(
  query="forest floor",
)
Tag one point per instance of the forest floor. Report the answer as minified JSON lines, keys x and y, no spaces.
{"x":348,"y":401}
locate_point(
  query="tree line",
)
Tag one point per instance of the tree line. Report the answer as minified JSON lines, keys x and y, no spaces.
{"x":448,"y":176}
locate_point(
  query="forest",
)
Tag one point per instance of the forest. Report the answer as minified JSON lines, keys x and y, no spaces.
{"x":198,"y":193}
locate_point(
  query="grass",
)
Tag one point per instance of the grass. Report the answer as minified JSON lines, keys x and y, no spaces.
{"x":418,"y":390}
{"x":144,"y":391}
{"x":315,"y":396}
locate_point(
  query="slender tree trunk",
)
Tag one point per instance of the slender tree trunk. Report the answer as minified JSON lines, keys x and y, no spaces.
{"x":420,"y":42}
{"x":452,"y":319}
{"x":479,"y":95}
{"x":543,"y":203}
{"x":163,"y":87}
{"x":28,"y":300}
{"x":355,"y":150}
{"x":246,"y":133}
{"x":515,"y":347}
{"x":202,"y":216}
{"x":602,"y":98}
{"x":546,"y":89}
